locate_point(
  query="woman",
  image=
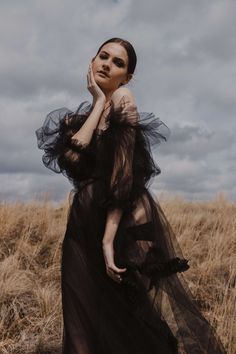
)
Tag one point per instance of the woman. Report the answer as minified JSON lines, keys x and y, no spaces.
{"x":122,"y":287}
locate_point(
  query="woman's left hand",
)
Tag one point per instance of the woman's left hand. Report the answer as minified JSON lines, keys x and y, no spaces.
{"x":112,"y":270}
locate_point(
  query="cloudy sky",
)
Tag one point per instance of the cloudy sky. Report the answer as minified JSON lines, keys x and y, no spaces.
{"x":185,"y":74}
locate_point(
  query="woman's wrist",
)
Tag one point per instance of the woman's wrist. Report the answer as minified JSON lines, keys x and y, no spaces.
{"x":99,"y":103}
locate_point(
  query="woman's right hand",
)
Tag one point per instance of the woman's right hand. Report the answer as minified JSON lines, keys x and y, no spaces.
{"x":93,"y":87}
{"x":112,"y":270}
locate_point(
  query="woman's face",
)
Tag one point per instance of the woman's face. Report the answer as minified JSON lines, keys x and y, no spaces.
{"x":113,"y":60}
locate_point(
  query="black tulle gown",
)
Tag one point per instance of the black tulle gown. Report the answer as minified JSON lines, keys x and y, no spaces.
{"x":151,"y":311}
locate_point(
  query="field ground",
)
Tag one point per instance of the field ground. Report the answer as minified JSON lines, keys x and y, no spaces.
{"x":30,"y":244}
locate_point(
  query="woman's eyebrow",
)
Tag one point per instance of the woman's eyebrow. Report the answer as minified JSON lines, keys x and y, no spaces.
{"x":115,"y":57}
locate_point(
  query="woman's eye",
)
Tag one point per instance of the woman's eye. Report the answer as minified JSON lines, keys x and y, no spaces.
{"x":119,"y":64}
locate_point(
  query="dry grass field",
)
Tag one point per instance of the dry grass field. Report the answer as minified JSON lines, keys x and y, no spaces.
{"x":30,"y":243}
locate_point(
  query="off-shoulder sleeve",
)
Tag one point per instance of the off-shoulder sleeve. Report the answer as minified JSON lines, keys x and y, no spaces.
{"x":61,"y":154}
{"x":132,"y":137}
{"x":122,"y":120}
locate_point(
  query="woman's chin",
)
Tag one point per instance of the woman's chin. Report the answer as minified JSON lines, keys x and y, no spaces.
{"x":101,"y":84}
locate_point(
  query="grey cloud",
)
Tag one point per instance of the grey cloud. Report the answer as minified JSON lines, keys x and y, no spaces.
{"x":185,"y":75}
{"x":26,"y":186}
{"x":195,"y":142}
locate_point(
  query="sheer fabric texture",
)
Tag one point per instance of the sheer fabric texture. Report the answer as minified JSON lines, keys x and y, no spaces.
{"x":152,"y":309}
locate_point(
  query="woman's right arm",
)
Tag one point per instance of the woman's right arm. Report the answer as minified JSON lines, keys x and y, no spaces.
{"x":65,"y":141}
{"x":84,"y":134}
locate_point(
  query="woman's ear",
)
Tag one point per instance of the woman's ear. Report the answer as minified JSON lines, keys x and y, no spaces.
{"x":129,"y":77}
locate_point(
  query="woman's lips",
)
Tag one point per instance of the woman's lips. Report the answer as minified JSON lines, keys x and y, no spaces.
{"x":104,"y":75}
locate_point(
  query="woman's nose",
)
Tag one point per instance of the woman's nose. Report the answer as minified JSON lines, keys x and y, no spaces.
{"x":106,"y":67}
{"x":107,"y":64}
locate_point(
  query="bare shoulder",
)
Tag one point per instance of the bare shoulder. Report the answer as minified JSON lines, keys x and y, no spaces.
{"x":124,"y":99}
{"x":123,"y":92}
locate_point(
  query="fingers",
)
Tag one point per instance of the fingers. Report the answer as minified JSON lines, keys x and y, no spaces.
{"x":89,"y":76}
{"x":118,"y":270}
{"x":116,"y":277}
{"x":114,"y":268}
{"x":114,"y":271}
{"x":119,"y":279}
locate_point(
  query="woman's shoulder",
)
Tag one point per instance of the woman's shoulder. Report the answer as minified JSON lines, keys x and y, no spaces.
{"x":122,"y":94}
{"x":123,"y":109}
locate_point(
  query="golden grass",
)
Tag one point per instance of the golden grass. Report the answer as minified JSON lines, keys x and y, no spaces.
{"x":30,"y":246}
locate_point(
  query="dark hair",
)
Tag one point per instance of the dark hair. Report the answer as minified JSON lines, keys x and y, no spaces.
{"x":132,"y":57}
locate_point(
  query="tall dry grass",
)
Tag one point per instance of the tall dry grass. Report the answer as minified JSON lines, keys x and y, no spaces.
{"x":30,"y":246}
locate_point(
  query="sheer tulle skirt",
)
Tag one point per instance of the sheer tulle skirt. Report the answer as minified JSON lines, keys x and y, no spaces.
{"x":100,"y":315}
{"x":152,"y":309}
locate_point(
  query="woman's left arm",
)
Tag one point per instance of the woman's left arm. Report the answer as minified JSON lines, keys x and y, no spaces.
{"x":112,"y":223}
{"x":122,"y":176}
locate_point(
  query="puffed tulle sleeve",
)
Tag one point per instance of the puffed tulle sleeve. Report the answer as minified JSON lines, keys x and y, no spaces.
{"x":132,"y":138}
{"x":61,"y":153}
